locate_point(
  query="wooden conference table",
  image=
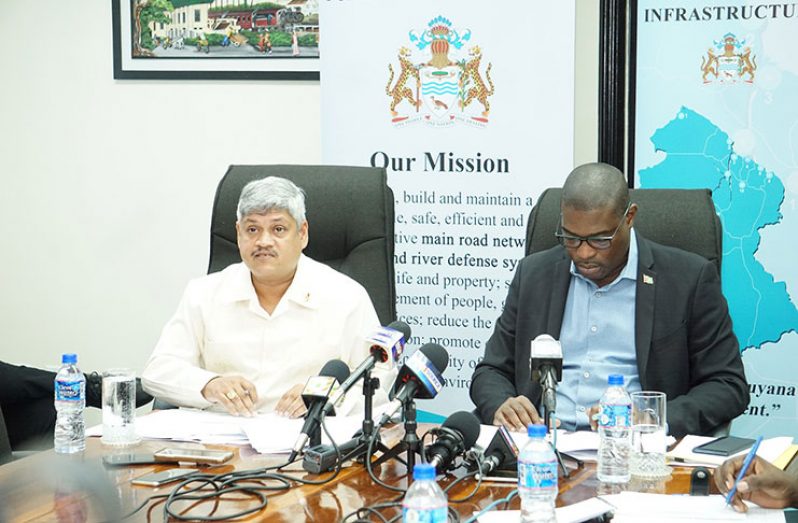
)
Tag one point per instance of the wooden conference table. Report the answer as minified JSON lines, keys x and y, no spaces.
{"x":50,"y":487}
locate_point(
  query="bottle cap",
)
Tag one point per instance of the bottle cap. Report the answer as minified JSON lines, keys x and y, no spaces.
{"x":69,"y":359}
{"x":423,"y":471}
{"x":615,"y":379}
{"x":536,"y":431}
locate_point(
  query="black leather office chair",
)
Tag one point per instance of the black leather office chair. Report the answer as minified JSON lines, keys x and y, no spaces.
{"x":350,"y":211}
{"x":677,"y":217}
{"x":5,"y":444}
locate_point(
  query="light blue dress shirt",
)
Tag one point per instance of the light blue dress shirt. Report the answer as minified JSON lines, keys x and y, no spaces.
{"x":598,"y":339}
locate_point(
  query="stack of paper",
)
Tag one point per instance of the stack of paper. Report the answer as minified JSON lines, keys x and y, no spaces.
{"x":272,"y":434}
{"x":633,"y":507}
{"x":267,"y":433}
{"x":188,"y":425}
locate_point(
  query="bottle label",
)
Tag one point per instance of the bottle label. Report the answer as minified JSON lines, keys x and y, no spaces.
{"x":424,"y":515}
{"x":616,"y":416}
{"x":541,"y":475}
{"x":68,"y":390}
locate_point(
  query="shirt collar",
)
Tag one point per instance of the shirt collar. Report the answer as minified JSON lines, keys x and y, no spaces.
{"x":629,"y":271}
{"x":300,"y":291}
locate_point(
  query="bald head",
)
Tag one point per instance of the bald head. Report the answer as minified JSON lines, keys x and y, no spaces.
{"x":595,"y":186}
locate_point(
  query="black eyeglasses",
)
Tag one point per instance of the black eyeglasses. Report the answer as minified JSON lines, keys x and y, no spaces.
{"x":599,"y":243}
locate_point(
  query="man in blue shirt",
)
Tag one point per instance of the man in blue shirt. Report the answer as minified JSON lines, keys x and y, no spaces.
{"x":619,"y":304}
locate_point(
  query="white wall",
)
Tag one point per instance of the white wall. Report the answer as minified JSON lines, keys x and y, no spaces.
{"x":107,"y":185}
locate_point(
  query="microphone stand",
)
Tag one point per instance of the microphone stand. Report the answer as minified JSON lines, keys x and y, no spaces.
{"x":370,"y":385}
{"x":410,"y":443}
{"x":548,"y":383}
{"x":314,"y":438}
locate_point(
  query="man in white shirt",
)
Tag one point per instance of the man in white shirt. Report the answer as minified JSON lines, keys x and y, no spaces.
{"x":247,"y":338}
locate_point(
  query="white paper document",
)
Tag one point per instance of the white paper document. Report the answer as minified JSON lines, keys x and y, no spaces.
{"x":267,"y":433}
{"x":272,"y":434}
{"x":188,"y":425}
{"x":634,"y":507}
{"x":682,"y":455}
{"x":576,"y":513}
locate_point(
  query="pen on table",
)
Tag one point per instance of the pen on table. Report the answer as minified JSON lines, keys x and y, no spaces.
{"x":746,"y":463}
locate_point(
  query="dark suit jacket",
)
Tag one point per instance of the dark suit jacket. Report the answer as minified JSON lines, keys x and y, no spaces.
{"x":683,"y":336}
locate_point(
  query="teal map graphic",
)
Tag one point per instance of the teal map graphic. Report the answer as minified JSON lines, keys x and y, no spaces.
{"x":716,"y":109}
{"x":748,"y":198}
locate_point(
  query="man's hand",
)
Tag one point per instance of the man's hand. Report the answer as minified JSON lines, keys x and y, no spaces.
{"x":593,"y":414}
{"x":236,"y":394}
{"x":516,"y":413}
{"x":291,"y":404}
{"x":764,"y":484}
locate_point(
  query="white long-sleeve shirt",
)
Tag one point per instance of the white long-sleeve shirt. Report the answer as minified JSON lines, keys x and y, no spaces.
{"x":220,"y":329}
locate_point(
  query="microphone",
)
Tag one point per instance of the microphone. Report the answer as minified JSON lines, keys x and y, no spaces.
{"x":387,"y":345}
{"x":315,"y":394}
{"x":420,"y":377}
{"x":545,"y":362}
{"x":502,"y":453}
{"x":457,"y":434}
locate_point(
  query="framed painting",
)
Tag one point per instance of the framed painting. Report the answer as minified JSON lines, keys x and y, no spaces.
{"x":216,"y":39}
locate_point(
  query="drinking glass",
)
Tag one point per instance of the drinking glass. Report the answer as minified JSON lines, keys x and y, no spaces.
{"x":119,"y":408}
{"x":649,"y":430}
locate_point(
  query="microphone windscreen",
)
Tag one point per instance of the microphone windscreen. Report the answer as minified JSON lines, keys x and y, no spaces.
{"x":437,"y":355}
{"x":335,"y":369}
{"x":402,"y":327}
{"x":467,"y":424}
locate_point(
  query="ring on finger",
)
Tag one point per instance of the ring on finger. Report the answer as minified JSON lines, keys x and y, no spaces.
{"x":231,"y":395}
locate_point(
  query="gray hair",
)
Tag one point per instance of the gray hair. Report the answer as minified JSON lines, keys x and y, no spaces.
{"x":595,"y":186}
{"x":272,"y":194}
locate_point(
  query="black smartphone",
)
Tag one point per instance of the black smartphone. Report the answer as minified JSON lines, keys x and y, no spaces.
{"x":724,"y":446}
{"x":128,"y":459}
{"x":162,"y":478}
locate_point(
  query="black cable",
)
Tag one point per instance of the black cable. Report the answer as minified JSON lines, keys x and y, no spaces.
{"x":373,"y":509}
{"x":463,"y":478}
{"x":370,"y":470}
{"x":219,"y":487}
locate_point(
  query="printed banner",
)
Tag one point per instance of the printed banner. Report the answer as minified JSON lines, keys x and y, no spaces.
{"x":470,"y":109}
{"x":717,"y":108}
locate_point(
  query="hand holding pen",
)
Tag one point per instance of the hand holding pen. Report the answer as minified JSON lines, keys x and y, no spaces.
{"x":763,"y":484}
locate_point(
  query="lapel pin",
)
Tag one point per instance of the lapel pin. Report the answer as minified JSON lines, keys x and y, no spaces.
{"x":648,"y":280}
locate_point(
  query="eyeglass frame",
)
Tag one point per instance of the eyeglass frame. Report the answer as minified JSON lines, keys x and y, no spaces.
{"x":562,"y":238}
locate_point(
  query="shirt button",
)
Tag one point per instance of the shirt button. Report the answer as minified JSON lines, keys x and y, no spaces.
{"x":586,"y":374}
{"x":598,"y":295}
{"x":581,"y":409}
{"x":593,"y":328}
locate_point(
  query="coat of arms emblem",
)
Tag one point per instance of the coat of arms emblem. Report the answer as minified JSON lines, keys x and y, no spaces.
{"x":440,"y":79}
{"x":728,"y":61}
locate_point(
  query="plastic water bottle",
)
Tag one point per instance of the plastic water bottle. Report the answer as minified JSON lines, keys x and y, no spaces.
{"x":537,"y":478}
{"x":70,"y":400}
{"x":614,"y":432}
{"x":424,"y":502}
